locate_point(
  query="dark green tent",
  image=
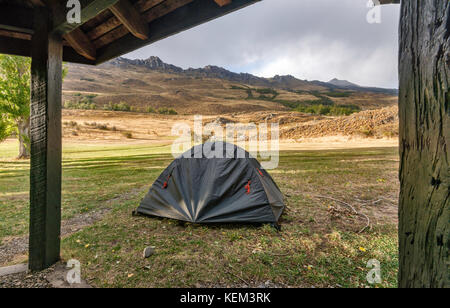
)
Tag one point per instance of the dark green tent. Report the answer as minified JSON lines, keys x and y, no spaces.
{"x":216,"y":182}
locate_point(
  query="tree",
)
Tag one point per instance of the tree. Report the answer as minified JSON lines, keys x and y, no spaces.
{"x":15,"y":97}
{"x":424,"y":111}
{"x":5,"y":127}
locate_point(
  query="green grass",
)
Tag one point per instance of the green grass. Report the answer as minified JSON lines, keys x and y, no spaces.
{"x":316,"y":246}
{"x":92,"y":174}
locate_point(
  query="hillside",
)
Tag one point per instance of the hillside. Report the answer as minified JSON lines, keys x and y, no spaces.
{"x":379,"y":123}
{"x":151,"y":84}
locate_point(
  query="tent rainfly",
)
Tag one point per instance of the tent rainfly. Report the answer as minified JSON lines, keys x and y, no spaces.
{"x":215,"y":183}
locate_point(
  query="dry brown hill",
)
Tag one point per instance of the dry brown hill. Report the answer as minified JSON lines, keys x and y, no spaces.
{"x":370,"y":123}
{"x":210,"y":90}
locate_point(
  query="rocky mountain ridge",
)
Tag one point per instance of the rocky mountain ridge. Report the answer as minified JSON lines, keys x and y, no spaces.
{"x":210,"y":71}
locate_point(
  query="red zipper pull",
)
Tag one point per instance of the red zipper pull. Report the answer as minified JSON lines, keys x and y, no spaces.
{"x":166,"y":182}
{"x":247,"y":187}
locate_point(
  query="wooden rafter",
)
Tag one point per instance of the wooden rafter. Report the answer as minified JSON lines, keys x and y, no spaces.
{"x":81,"y":43}
{"x":164,"y":20}
{"x":17,"y":35}
{"x":144,"y":5}
{"x":223,"y":2}
{"x":101,"y":35}
{"x":37,"y":2}
{"x":89,"y":9}
{"x":72,"y":33}
{"x":164,"y":8}
{"x":130,"y":18}
{"x":113,"y":22}
{"x":16,"y":19}
{"x":154,"y":13}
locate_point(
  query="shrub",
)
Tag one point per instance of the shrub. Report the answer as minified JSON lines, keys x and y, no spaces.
{"x":168,"y":111}
{"x":90,"y":97}
{"x":84,"y":104}
{"x":367,"y":132}
{"x":71,"y":124}
{"x":151,"y":110}
{"x":328,"y":110}
{"x":127,"y":135}
{"x":122,"y":106}
{"x":87,"y":79}
{"x":109,"y":106}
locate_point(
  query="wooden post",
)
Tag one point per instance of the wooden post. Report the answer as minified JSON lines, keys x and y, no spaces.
{"x":45,"y":128}
{"x":424,"y":112}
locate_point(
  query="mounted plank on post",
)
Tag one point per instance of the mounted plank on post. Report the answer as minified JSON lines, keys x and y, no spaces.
{"x":45,"y":123}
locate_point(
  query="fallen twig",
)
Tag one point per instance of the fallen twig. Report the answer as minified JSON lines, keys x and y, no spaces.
{"x":351,"y":207}
{"x":237,"y":276}
{"x":366,"y":202}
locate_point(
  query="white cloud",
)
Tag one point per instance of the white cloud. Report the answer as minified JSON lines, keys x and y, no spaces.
{"x":315,"y":58}
{"x":310,"y":39}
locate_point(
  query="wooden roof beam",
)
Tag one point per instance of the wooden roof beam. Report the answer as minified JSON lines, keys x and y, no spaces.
{"x":81,"y":43}
{"x":17,"y":35}
{"x":89,"y":9}
{"x":223,"y":2}
{"x":16,"y":19}
{"x":154,"y":13}
{"x":113,"y":22}
{"x":131,"y":19}
{"x":37,"y":2}
{"x":168,"y":18}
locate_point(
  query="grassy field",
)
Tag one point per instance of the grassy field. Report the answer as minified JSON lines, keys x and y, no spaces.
{"x":321,"y":243}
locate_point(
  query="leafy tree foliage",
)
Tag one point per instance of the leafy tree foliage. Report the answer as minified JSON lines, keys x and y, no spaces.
{"x":15,"y":98}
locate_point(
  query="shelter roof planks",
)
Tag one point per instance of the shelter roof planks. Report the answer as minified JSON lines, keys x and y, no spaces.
{"x":108,"y":28}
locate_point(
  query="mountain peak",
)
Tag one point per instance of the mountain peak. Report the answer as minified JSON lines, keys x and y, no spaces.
{"x":152,"y":62}
{"x":342,"y":83}
{"x":212,"y":71}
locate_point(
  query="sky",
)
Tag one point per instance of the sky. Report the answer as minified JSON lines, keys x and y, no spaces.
{"x":309,"y":39}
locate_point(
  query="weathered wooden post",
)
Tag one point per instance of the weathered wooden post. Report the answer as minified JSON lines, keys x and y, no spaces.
{"x":45,"y":172}
{"x":424,"y":106}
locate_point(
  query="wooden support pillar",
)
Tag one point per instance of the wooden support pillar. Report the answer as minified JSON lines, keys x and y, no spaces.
{"x":45,"y":127}
{"x":424,"y":112}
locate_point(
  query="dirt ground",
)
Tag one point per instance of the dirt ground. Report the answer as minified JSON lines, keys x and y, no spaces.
{"x":298,"y":131}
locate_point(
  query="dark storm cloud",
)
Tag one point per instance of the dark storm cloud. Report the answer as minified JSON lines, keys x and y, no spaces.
{"x":310,"y":39}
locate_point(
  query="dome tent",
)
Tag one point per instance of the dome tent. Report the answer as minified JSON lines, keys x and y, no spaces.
{"x":202,"y":186}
